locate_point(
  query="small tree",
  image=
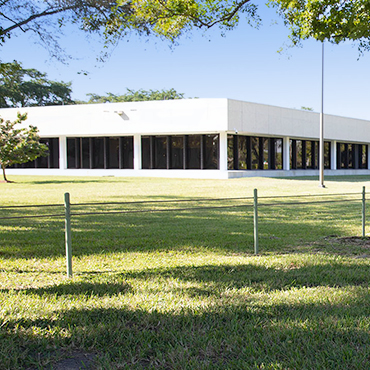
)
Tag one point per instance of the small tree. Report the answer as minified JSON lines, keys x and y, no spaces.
{"x":19,"y":145}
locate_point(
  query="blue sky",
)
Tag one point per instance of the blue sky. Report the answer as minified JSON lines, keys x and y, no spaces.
{"x":243,"y":65}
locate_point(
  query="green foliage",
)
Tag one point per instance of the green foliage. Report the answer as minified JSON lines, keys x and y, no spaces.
{"x":21,"y":87}
{"x":132,"y":95}
{"x":332,"y":20}
{"x":172,"y":18}
{"x":18,"y":145}
{"x":116,"y":19}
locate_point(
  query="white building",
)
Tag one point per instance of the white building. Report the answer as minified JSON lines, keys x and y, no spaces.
{"x":198,"y":138}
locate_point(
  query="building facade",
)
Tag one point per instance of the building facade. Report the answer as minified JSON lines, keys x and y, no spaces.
{"x":193,"y":138}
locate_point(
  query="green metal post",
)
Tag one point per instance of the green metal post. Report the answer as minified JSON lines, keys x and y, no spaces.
{"x":67,"y":207}
{"x":363,"y":211}
{"x":255,"y":221}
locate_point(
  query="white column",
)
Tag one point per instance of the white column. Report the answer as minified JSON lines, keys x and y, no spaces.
{"x":62,"y":152}
{"x":333,"y":155}
{"x":137,"y":152}
{"x":223,"y":151}
{"x":286,"y":153}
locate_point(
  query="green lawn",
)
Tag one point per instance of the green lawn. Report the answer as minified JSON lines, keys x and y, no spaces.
{"x":183,"y":289}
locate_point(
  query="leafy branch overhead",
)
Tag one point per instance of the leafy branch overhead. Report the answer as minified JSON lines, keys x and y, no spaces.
{"x":333,"y":20}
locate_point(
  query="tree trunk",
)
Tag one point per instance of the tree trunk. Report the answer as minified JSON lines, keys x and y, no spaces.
{"x":5,"y":179}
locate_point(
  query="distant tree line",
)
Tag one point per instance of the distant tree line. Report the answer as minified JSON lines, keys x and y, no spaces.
{"x":21,"y":87}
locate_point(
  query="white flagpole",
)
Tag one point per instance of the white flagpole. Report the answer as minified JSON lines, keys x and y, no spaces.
{"x":321,"y":143}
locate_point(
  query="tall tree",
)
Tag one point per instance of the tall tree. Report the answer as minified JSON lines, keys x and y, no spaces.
{"x":132,"y":95}
{"x":21,"y":87}
{"x":18,"y":145}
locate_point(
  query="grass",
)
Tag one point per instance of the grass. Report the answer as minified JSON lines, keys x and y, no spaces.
{"x":183,"y":290}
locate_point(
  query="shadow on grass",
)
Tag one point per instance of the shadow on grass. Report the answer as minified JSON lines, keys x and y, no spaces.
{"x":243,"y":333}
{"x":260,"y":278}
{"x":80,"y":288}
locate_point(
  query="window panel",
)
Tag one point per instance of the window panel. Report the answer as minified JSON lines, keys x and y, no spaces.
{"x":210,"y":154}
{"x":364,"y":156}
{"x":193,"y":151}
{"x":327,"y":155}
{"x":177,"y":152}
{"x":127,"y":152}
{"x":278,"y":146}
{"x":242,"y":152}
{"x":97,"y":152}
{"x":160,"y":152}
{"x":266,"y":151}
{"x":146,"y":152}
{"x":230,"y":152}
{"x":255,"y":153}
{"x":299,"y":153}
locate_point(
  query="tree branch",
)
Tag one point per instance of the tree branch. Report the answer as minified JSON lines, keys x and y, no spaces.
{"x":33,"y":17}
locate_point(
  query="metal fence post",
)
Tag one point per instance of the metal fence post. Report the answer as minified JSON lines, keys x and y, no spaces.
{"x":67,"y":207}
{"x":363,"y":211}
{"x":255,"y":221}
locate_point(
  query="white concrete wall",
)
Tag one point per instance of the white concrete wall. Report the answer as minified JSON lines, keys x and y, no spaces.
{"x":252,"y":118}
{"x":153,"y":117}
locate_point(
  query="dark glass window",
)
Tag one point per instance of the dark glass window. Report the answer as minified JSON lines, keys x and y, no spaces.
{"x":127,"y":152}
{"x":177,"y":152}
{"x":242,"y":152}
{"x":146,"y":154}
{"x":278,"y":154}
{"x":85,"y":152}
{"x":266,"y":160}
{"x":97,"y":149}
{"x":193,"y":152}
{"x":160,"y":152}
{"x":113,"y":155}
{"x":51,"y":160}
{"x":364,"y":156}
{"x":73,"y":153}
{"x":327,"y":155}
{"x":231,"y":158}
{"x":210,"y":150}
{"x":100,"y":152}
{"x":309,"y":154}
{"x":300,"y":156}
{"x":255,"y":153}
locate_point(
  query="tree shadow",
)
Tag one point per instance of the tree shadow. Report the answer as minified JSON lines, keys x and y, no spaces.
{"x":240,"y":333}
{"x":84,"y":288}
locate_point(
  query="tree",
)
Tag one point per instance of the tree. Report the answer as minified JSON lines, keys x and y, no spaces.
{"x":19,"y":145}
{"x":21,"y":87}
{"x":333,"y":20}
{"x":114,"y":19}
{"x":132,"y":95}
